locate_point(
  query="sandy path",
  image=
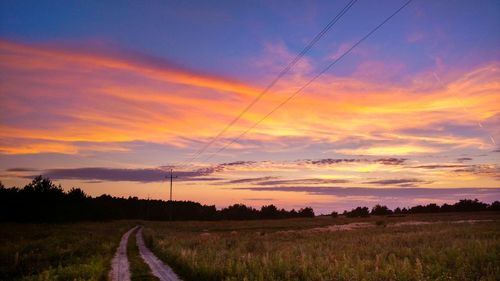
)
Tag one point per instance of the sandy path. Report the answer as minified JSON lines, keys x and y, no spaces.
{"x":119,"y":265}
{"x":158,"y":268}
{"x":436,"y":222}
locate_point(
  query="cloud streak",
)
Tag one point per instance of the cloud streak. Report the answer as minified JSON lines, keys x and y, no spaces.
{"x":330,"y":161}
{"x":351,"y":171}
{"x":311,"y":181}
{"x":398,"y":182}
{"x":133,"y":175}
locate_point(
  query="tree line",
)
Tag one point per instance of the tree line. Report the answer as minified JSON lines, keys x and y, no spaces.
{"x":43,"y":201}
{"x":464,"y":205}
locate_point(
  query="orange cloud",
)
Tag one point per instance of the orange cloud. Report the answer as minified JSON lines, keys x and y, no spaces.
{"x":51,"y":95}
{"x":15,"y":54}
{"x":389,"y":150}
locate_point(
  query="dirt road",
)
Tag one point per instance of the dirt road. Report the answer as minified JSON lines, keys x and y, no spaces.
{"x":158,"y":268}
{"x":119,"y":265}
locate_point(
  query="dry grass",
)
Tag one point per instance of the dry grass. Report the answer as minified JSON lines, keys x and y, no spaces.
{"x":462,"y":246}
{"x":293,"y":250}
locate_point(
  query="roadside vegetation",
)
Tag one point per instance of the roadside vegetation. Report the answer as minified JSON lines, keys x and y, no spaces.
{"x":79,"y":251}
{"x":415,"y":247}
{"x":139,"y":270}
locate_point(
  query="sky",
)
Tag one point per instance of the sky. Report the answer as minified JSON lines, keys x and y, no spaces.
{"x":109,"y":96}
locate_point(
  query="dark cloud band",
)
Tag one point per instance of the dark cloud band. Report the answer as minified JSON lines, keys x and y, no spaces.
{"x":135,"y":175}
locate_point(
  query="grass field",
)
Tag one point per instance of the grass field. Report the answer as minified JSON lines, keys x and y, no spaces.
{"x":386,"y":248}
{"x":417,"y":247}
{"x":80,"y":251}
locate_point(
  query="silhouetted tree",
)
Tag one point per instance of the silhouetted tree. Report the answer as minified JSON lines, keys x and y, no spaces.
{"x":379,"y":210}
{"x":446,"y":208}
{"x":238,"y":212}
{"x":269,"y":212}
{"x":430,"y":208}
{"x":43,"y":185}
{"x":468,"y":205}
{"x":357,"y":212}
{"x":495,"y":206}
{"x":77,"y":194}
{"x":306,"y":212}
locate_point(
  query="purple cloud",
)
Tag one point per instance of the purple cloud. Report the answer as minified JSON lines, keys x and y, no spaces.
{"x":135,"y":175}
{"x":21,"y":170}
{"x":332,"y":161}
{"x":482,"y":169}
{"x":238,"y":163}
{"x":249,"y":180}
{"x":399,"y":182}
{"x":302,"y":181}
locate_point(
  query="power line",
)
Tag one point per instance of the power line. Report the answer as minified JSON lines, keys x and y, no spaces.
{"x":276,"y":79}
{"x":309,"y":82}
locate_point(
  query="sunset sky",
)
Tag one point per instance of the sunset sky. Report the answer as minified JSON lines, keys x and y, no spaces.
{"x":109,"y":95}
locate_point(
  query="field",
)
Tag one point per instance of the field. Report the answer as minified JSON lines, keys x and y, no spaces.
{"x":416,"y":247}
{"x":80,"y":251}
{"x":301,"y":249}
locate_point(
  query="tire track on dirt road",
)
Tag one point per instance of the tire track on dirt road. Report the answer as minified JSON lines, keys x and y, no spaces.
{"x":119,"y":265}
{"x":158,"y":268}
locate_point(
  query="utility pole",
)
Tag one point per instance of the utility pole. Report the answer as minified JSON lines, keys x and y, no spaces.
{"x":170,"y":201}
{"x":171,"y":180}
{"x":171,"y":183}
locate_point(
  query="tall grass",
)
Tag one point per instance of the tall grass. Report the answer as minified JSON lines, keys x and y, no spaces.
{"x":441,"y":251}
{"x":80,"y":251}
{"x":291,"y":249}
